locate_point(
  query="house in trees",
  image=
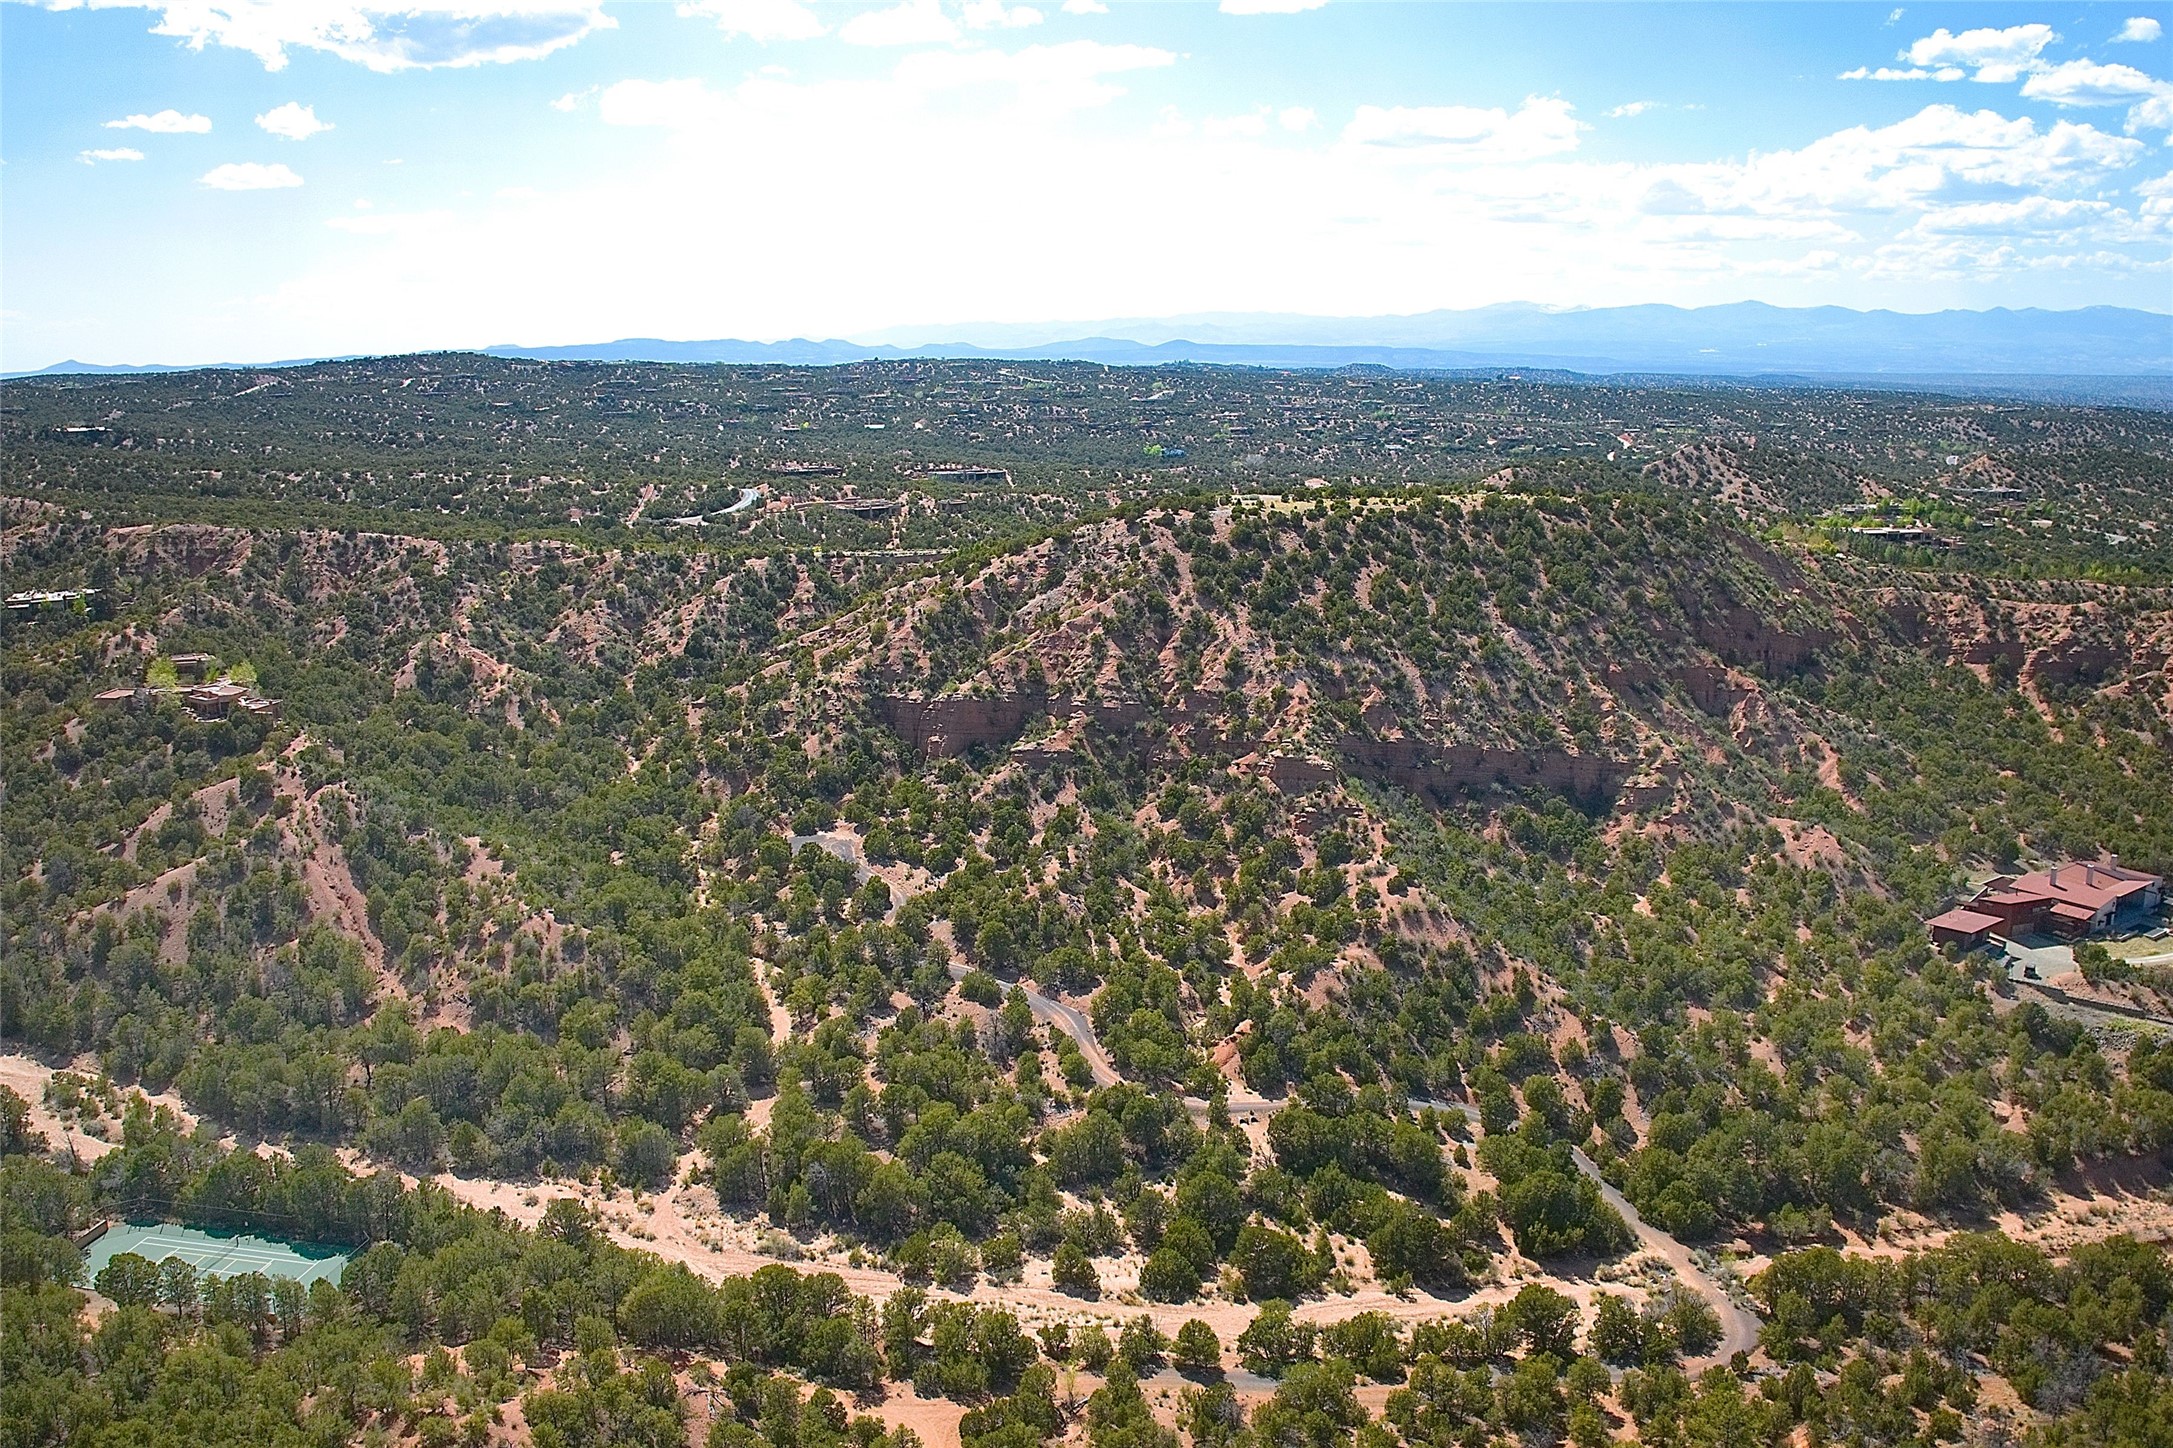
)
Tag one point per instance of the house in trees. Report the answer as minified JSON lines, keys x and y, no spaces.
{"x":214,"y":701}
{"x":228,"y":700}
{"x":137,"y":698}
{"x":35,"y":600}
{"x":2070,"y":900}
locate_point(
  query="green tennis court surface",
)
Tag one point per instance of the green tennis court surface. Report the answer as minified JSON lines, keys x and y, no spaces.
{"x":214,"y":1253}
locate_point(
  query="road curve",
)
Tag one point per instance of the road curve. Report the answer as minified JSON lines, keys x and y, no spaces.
{"x":1068,"y":1019}
{"x":1738,"y":1324}
{"x":845,"y":845}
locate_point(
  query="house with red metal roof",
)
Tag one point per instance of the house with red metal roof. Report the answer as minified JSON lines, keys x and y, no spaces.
{"x":2069,"y":900}
{"x":1963,"y":926}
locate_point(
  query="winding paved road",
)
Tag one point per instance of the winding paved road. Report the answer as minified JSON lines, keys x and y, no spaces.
{"x":845,"y":845}
{"x":1068,"y":1019}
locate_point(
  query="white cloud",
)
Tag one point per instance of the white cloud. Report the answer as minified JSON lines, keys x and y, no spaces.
{"x":573,"y":100}
{"x":2087,"y":83}
{"x":1085,"y":7}
{"x":995,"y":15}
{"x":250,"y":176}
{"x":763,"y":20}
{"x":1914,"y":72}
{"x":388,"y":35}
{"x":1994,"y":55}
{"x":2153,"y":114}
{"x":1297,"y":118}
{"x":293,"y":120}
{"x":1897,"y":170}
{"x":1269,"y":7}
{"x":911,"y":22}
{"x":165,"y":123}
{"x":2016,"y":53}
{"x":1628,"y":109}
{"x":1542,"y":126}
{"x":114,"y":153}
{"x":2157,"y":208}
{"x":2027,"y":215}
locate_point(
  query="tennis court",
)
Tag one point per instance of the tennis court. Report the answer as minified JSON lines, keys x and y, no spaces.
{"x":219,"y":1254}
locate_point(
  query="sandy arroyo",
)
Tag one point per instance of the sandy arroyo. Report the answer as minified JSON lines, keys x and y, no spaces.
{"x":27,"y":1076}
{"x":685,"y":1225}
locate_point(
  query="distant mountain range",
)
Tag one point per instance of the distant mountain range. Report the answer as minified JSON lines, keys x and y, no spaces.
{"x":1740,"y":339}
{"x":2092,"y":347}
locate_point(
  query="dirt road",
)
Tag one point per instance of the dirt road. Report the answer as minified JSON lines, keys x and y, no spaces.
{"x":1068,"y":1019}
{"x":1738,"y":1324}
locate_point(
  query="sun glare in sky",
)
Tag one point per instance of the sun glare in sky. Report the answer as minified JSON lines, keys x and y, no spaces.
{"x":251,"y":180}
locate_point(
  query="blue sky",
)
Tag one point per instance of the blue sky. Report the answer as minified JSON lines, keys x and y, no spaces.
{"x":248,"y":180}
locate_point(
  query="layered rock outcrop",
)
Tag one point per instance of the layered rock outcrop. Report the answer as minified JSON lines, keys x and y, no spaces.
{"x":1454,"y":771}
{"x":951,"y":725}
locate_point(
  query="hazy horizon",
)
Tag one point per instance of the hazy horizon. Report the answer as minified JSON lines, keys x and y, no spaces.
{"x":1417,"y":331}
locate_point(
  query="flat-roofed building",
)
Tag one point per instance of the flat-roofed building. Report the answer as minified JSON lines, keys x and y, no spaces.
{"x":214,"y":701}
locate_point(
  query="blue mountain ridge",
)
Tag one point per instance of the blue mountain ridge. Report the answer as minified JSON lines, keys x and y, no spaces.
{"x":2091,"y":353}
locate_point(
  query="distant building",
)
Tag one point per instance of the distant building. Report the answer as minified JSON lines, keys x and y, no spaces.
{"x":32,"y":599}
{"x":192,"y":668}
{"x":1899,"y":533}
{"x":965,"y":473}
{"x":226,"y":699}
{"x":2069,"y":900}
{"x":215,"y":701}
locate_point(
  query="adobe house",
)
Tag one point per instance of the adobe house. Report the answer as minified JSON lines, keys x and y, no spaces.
{"x":192,"y":668}
{"x":214,"y":701}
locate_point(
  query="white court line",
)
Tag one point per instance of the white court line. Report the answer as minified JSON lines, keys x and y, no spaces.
{"x":230,"y":1259}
